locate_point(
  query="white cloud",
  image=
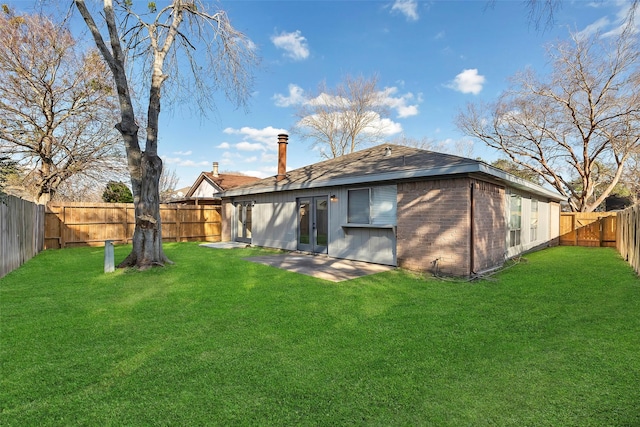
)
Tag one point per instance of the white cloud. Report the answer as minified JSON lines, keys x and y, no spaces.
{"x":269,"y":158}
{"x":328,"y":100}
{"x":231,"y":155}
{"x":256,"y":173}
{"x":295,"y":97}
{"x":389,"y":127}
{"x":251,"y":159}
{"x":594,"y":27}
{"x":268,"y":135}
{"x":376,"y":124}
{"x":224,"y":146}
{"x":398,"y":103}
{"x":294,"y":44}
{"x":622,"y":20}
{"x":183,"y":153}
{"x":607,"y":27}
{"x":182,"y":162}
{"x":409,"y":8}
{"x":272,"y":170}
{"x":249,"y":146}
{"x":468,"y":81}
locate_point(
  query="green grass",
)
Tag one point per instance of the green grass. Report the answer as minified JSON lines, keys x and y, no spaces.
{"x":215,"y":340}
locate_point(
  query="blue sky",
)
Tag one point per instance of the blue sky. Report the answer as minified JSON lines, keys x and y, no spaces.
{"x":431,"y":58}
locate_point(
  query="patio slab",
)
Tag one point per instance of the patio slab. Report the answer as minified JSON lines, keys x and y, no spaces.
{"x":321,"y":266}
{"x":225,"y":245}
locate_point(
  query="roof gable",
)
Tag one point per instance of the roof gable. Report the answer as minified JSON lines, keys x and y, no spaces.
{"x":207,"y":183}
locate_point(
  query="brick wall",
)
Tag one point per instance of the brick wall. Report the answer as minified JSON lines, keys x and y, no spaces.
{"x":433,"y":226}
{"x":433,"y":233}
{"x":490,"y":225}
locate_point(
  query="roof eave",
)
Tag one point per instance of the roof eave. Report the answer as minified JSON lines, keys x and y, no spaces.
{"x":479,"y":167}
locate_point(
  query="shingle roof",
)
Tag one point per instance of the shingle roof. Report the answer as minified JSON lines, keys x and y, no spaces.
{"x":227,"y":181}
{"x":224,"y":181}
{"x":366,"y":162}
{"x":377,"y":164}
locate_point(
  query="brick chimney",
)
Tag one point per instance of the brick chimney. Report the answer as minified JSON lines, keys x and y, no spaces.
{"x":282,"y":156}
{"x":215,"y":169}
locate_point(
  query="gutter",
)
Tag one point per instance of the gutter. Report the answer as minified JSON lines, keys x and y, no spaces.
{"x":479,"y":167}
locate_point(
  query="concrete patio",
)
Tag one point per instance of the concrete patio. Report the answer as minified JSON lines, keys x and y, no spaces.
{"x":320,"y":266}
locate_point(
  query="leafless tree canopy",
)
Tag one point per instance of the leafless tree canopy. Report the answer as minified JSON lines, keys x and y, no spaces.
{"x":584,"y":115}
{"x":56,"y":105}
{"x":463,"y":148}
{"x":154,"y":47}
{"x":168,"y":184}
{"x":343,"y":119}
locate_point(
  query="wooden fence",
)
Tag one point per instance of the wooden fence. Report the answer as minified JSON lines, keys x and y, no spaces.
{"x":628,"y":236}
{"x":21,"y":232}
{"x":82,"y":224}
{"x":588,"y":229}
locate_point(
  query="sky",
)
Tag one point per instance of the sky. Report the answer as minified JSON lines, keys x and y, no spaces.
{"x":431,"y":58}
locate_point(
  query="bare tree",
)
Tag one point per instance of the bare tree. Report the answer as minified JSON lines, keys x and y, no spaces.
{"x":585,"y":113}
{"x":157,"y":43}
{"x":629,"y":184}
{"x":54,"y":99}
{"x":345,"y":118}
{"x":541,"y":13}
{"x":168,"y":183}
{"x":460,"y":147}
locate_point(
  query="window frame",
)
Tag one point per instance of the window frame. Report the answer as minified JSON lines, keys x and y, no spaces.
{"x":515,"y":230}
{"x":349,"y":206}
{"x":535,"y":219}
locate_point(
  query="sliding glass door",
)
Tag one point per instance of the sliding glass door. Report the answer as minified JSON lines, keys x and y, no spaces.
{"x":313,"y":224}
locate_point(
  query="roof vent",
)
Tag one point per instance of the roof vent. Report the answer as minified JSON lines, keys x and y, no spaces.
{"x":387,"y":151}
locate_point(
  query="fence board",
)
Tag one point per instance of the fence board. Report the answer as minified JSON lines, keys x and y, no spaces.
{"x":21,"y":232}
{"x":588,"y":229}
{"x":628,"y":236}
{"x":82,"y":224}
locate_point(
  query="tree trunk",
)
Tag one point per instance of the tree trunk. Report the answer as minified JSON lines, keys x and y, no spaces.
{"x":147,"y":236}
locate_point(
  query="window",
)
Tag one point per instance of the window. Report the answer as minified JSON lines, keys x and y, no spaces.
{"x":376,"y":205}
{"x":359,"y":206}
{"x":515,"y":220}
{"x":534,"y":220}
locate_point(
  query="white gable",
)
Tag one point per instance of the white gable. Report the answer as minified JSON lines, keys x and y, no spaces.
{"x":205,"y":190}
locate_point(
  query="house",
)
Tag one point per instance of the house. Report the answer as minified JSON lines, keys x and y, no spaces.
{"x":208,"y":186}
{"x":395,"y":205}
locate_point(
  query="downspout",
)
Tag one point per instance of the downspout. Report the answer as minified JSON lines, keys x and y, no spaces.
{"x":471,"y":230}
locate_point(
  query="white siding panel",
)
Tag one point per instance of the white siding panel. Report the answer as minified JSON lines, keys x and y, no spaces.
{"x":275,"y":224}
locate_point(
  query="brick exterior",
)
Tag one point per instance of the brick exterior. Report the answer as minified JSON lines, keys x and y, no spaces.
{"x":490,"y":225}
{"x":434,"y":226}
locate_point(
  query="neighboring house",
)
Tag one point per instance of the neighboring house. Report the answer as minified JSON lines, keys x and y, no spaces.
{"x":208,"y":186}
{"x":175,"y":196}
{"x":395,"y":205}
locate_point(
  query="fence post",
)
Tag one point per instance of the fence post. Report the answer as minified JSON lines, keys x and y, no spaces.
{"x":178,"y":223}
{"x":64,"y":221}
{"x":109,"y":264}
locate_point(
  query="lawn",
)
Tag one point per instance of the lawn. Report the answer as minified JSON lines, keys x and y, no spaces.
{"x":215,"y":340}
